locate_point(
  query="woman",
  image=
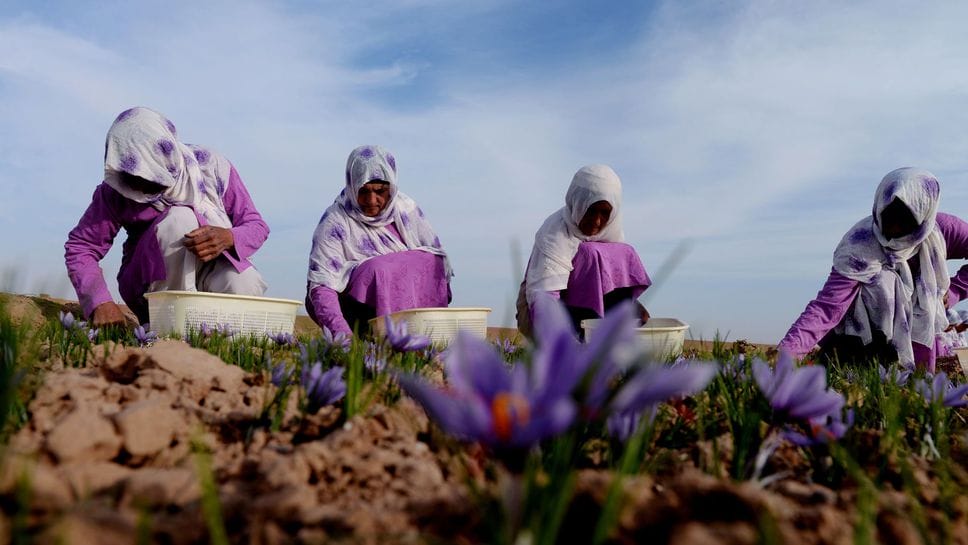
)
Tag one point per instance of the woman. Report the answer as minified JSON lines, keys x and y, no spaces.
{"x":886,"y":295}
{"x":190,"y":222}
{"x":579,"y":255}
{"x":374,"y":252}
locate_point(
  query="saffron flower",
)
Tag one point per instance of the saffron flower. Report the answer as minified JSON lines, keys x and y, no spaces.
{"x":372,"y":361}
{"x":623,"y":425}
{"x":92,"y":334}
{"x":800,"y":394}
{"x":322,"y":387}
{"x":280,"y":374}
{"x":821,"y":430}
{"x":489,"y":402}
{"x":508,"y":347}
{"x":657,"y":383}
{"x":67,"y":320}
{"x":941,"y":390}
{"x":145,"y":336}
{"x":205,"y":330}
{"x":339,"y":340}
{"x":590,"y":370}
{"x":401,"y":340}
{"x":895,"y":375}
{"x":282,"y":338}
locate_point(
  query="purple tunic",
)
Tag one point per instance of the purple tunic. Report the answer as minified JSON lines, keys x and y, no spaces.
{"x":598,"y":268}
{"x":386,"y":283}
{"x":836,"y":296}
{"x":601,"y":267}
{"x":142,"y":261}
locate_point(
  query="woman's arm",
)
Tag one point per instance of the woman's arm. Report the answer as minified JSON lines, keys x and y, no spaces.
{"x":86,"y":245}
{"x":821,"y":315}
{"x":249,"y":230}
{"x":325,"y":310}
{"x":955,"y":233}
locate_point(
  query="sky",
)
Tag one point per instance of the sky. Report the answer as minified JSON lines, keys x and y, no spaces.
{"x":748,"y":136}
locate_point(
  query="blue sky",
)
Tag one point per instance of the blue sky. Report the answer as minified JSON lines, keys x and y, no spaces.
{"x":755,"y":133}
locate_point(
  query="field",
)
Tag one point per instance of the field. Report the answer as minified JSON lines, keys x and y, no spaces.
{"x":118,"y":437}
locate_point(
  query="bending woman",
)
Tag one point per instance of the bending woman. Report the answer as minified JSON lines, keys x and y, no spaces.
{"x":374,"y":252}
{"x":190,"y":222}
{"x":579,"y":253}
{"x":886,"y":294}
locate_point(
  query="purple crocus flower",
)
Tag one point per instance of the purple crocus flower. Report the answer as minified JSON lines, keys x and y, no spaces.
{"x":796,"y":393}
{"x":622,"y":426}
{"x":401,"y":340}
{"x":372,"y":361}
{"x":657,"y":383}
{"x":144,"y":335}
{"x":205,"y":330}
{"x":92,"y":334}
{"x":822,"y":430}
{"x":488,"y":402}
{"x":67,"y":320}
{"x":283,"y":339}
{"x":322,"y":387}
{"x":588,"y":370}
{"x":225,"y":329}
{"x":507,"y":347}
{"x":280,"y":374}
{"x":895,"y":375}
{"x":941,"y":390}
{"x":339,"y":340}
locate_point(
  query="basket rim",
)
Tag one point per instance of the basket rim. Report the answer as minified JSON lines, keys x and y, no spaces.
{"x":439,"y":309}
{"x":397,"y":314}
{"x":661,"y":329}
{"x":207,"y":294}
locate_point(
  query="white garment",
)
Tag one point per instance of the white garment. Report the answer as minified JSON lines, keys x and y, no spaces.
{"x":185,"y":271}
{"x":345,"y":237}
{"x":142,"y":142}
{"x":557,"y":241}
{"x":891,"y":300}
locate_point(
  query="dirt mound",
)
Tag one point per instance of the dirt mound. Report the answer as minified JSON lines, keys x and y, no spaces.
{"x":105,"y":443}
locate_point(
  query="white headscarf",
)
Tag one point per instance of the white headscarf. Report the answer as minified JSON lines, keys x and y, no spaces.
{"x":891,"y":300}
{"x":557,"y":241}
{"x":346,"y":237}
{"x":144,"y":143}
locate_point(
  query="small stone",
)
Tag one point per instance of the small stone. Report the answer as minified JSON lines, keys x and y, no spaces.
{"x":157,"y":487}
{"x":83,"y":435}
{"x":88,"y":479}
{"x":147,"y":427}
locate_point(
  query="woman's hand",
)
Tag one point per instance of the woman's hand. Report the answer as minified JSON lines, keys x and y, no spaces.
{"x":108,"y":314}
{"x":643,"y":313}
{"x":209,"y":242}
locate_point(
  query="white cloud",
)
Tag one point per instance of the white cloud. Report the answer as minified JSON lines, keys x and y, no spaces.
{"x":759,"y":134}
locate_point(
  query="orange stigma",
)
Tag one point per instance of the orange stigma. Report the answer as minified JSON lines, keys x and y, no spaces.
{"x":509,"y":410}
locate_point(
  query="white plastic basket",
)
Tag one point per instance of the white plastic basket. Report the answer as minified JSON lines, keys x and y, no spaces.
{"x":180,"y":311}
{"x":963,"y":359}
{"x":658,"y":340}
{"x":440,"y":324}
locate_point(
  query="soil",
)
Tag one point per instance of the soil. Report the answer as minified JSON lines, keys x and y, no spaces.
{"x":112,"y":451}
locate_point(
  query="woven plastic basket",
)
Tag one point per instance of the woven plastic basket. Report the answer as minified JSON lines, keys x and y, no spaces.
{"x":440,"y":324}
{"x":660,"y":339}
{"x":181,"y":311}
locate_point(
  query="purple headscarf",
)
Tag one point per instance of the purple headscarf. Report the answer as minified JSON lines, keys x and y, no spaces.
{"x":891,"y":300}
{"x":345,"y":236}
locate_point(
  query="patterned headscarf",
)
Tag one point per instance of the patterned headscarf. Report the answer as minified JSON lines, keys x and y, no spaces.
{"x":345,"y":236}
{"x":891,"y":300}
{"x":558,"y":238}
{"x":142,"y":142}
